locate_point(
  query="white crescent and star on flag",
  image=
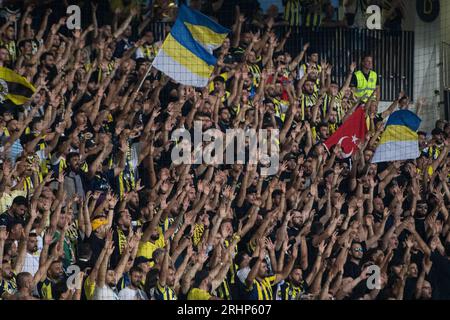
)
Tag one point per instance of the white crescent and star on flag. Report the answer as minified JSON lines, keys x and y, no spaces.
{"x":349,"y":147}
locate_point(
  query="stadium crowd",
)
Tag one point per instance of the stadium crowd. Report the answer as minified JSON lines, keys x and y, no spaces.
{"x":87,"y":183}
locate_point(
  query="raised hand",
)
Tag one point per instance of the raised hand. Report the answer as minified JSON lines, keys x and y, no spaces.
{"x":321,"y":248}
{"x":269,"y":244}
{"x":306,"y":46}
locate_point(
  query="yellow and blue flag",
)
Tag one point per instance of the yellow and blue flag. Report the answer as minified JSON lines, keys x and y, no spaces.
{"x":399,"y":140}
{"x":14,"y":87}
{"x":186,"y":54}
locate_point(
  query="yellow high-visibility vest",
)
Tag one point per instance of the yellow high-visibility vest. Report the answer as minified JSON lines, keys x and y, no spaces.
{"x":365,"y":86}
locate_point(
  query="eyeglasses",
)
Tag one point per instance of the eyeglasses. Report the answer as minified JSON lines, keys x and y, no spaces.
{"x":358,"y":250}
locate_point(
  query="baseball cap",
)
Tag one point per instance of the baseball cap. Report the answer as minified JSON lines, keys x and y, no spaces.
{"x":141,"y":259}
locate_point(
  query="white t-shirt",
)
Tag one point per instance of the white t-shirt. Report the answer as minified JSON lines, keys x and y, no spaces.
{"x":132,"y":294}
{"x":31,"y":263}
{"x":105,"y":293}
{"x":243,"y":274}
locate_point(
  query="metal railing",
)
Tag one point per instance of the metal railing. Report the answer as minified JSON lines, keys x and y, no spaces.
{"x":445,"y":60}
{"x":392,"y":51}
{"x":393,"y":54}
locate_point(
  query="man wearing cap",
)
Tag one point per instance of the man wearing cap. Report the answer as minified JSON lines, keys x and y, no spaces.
{"x":97,"y":237}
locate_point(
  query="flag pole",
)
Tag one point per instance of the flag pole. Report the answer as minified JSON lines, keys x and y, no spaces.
{"x":145,"y":76}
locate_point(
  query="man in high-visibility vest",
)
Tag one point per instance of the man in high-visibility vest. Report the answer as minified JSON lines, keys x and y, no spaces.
{"x":365,"y":81}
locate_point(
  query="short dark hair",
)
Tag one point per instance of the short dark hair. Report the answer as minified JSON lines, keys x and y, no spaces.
{"x":366,"y":55}
{"x":22,"y":42}
{"x":327,"y":173}
{"x":136,"y":269}
{"x":422,"y":133}
{"x":276,"y":193}
{"x":355,"y":242}
{"x":45,"y":55}
{"x":219,"y":79}
{"x":297,"y":266}
{"x":199,"y":277}
{"x":20,"y":200}
{"x":436,"y":131}
{"x":253,"y":261}
{"x":71,"y":155}
{"x":151,"y":280}
{"x":240,"y":257}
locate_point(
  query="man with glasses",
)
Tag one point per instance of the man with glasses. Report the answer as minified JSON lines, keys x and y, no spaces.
{"x":352,"y":267}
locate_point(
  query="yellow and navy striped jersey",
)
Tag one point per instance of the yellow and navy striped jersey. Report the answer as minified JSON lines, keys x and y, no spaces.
{"x":306,"y":102}
{"x":337,"y":106}
{"x":165,"y":293}
{"x":432,"y":152}
{"x":292,"y":12}
{"x":149,"y":51}
{"x":288,"y":291}
{"x":255,"y":69}
{"x":224,"y":290}
{"x":261,"y":290}
{"x":199,"y":229}
{"x":44,"y":289}
{"x":8,"y":286}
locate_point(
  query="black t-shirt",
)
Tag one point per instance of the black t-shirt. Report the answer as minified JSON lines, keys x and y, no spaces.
{"x":97,"y":245}
{"x":420,"y":227}
{"x":7,"y":220}
{"x":410,"y":289}
{"x":292,"y":233}
{"x":115,"y":257}
{"x":312,"y":254}
{"x":351,"y":270}
{"x":440,"y":276}
{"x":243,"y":211}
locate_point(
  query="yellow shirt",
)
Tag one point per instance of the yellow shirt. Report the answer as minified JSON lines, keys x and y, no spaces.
{"x":146,"y":249}
{"x":211,"y":84}
{"x":198,"y":294}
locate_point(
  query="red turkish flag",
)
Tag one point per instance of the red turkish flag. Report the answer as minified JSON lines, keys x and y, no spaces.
{"x":350,"y":133}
